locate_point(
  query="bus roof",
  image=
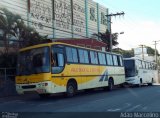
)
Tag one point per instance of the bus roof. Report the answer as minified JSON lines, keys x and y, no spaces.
{"x":60,"y":43}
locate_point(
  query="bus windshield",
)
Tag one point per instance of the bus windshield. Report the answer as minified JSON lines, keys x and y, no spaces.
{"x":130,"y":68}
{"x":34,"y":61}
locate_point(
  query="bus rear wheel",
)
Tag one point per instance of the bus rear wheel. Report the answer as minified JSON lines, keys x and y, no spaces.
{"x":71,"y":89}
{"x":140,"y":83}
{"x":150,"y":84}
{"x":110,"y":85}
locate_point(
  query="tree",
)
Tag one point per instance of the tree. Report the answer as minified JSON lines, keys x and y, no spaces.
{"x":13,"y":27}
{"x":105,"y":37}
{"x":151,"y":51}
{"x":16,"y":31}
{"x":125,"y":53}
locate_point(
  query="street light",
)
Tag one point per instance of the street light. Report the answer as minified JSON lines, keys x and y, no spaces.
{"x":121,"y":33}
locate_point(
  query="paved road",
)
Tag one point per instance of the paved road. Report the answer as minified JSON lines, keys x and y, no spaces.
{"x":144,"y":99}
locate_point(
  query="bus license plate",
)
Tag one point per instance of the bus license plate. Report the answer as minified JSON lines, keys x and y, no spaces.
{"x":40,"y":90}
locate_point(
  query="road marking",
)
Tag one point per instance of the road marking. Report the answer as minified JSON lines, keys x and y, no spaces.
{"x":45,"y":104}
{"x":144,"y":108}
{"x":9,"y":102}
{"x":99,"y":100}
{"x":135,"y":107}
{"x":156,"y":84}
{"x":126,"y":105}
{"x":132,"y":92}
{"x":121,"y":108}
{"x":113,"y":110}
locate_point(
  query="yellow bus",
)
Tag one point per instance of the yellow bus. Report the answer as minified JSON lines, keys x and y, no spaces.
{"x":63,"y":68}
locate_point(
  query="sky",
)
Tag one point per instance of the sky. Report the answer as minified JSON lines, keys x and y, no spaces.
{"x":140,"y":24}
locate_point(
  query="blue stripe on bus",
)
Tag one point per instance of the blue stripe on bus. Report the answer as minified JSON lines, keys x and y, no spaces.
{"x":104,"y":77}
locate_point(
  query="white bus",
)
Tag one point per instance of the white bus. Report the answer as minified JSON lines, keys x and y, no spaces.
{"x":139,"y":72}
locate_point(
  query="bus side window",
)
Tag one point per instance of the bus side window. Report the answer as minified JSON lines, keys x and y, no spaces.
{"x":83,"y":55}
{"x":72,"y":56}
{"x":60,"y":58}
{"x":57,"y":60}
{"x":119,"y":59}
{"x":115,"y":60}
{"x":93,"y":57}
{"x":109,"y":59}
{"x":102,"y":59}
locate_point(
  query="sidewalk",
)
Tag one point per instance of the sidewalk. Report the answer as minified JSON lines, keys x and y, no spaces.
{"x":156,"y":84}
{"x":19,"y":96}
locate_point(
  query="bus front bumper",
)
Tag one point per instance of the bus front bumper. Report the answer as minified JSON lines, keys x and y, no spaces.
{"x":40,"y":88}
{"x":131,"y":80}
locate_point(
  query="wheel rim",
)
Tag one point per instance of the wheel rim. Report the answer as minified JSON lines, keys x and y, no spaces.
{"x":70,"y":89}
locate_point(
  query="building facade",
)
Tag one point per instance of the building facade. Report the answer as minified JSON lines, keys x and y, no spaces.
{"x":61,"y":18}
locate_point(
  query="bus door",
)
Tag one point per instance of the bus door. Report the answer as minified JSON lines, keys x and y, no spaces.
{"x":138,"y":69}
{"x":57,"y":66}
{"x":144,"y":72}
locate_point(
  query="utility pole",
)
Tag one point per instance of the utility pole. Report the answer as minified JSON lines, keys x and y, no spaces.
{"x":142,"y":46}
{"x":109,"y":16}
{"x":155,"y":43}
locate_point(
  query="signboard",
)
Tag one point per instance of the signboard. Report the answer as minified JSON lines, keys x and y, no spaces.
{"x":61,"y":18}
{"x":40,"y":15}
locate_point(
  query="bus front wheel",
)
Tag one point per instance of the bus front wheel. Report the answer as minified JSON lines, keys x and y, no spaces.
{"x":71,"y":89}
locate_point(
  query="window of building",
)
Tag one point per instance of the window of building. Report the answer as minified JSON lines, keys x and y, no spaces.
{"x":103,"y":19}
{"x":92,"y":14}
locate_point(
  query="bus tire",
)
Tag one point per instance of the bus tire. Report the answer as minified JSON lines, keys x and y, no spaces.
{"x":71,"y":89}
{"x":150,"y":84}
{"x":43,"y":96}
{"x":122,"y":85}
{"x":110,"y":84}
{"x":140,"y":83}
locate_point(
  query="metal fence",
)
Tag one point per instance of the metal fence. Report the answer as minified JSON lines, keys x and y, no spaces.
{"x":7,"y":82}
